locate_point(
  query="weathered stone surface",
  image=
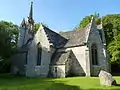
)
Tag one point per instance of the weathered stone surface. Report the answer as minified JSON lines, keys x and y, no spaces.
{"x":106,"y":78}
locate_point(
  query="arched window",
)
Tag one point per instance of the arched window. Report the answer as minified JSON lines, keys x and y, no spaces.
{"x":39,"y":52}
{"x":94,"y":54}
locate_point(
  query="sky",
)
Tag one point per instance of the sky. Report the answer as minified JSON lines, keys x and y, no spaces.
{"x":59,"y":15}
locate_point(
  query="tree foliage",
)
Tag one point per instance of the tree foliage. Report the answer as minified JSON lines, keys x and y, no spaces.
{"x":8,"y":38}
{"x":87,"y":20}
{"x":37,"y":25}
{"x":111,"y":27}
{"x":8,"y":41}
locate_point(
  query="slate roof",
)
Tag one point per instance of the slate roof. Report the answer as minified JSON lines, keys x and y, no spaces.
{"x":75,"y":37}
{"x":56,"y":39}
{"x":99,"y":27}
{"x":59,"y":58}
{"x":66,"y":39}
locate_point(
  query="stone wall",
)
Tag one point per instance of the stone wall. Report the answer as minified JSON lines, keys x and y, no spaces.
{"x":94,"y":37}
{"x":21,"y":37}
{"x":58,"y":70}
{"x":79,"y":53}
{"x":18,"y":63}
{"x":77,"y":69}
{"x":32,"y":68}
{"x":68,"y":66}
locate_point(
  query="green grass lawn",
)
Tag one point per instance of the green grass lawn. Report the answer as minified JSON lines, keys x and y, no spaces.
{"x":9,"y":82}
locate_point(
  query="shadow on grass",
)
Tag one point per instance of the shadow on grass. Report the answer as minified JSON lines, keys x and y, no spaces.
{"x":10,"y":82}
{"x":62,"y":86}
{"x":117,"y":85}
{"x":53,"y":86}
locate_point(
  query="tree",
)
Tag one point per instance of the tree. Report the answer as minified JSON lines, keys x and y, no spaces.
{"x":114,"y":50}
{"x":87,"y":20}
{"x":8,"y":41}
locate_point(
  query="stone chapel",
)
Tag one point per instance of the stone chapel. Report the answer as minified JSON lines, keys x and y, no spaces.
{"x":47,"y":53}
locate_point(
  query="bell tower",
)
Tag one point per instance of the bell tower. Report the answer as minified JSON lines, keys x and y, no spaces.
{"x":26,"y":30}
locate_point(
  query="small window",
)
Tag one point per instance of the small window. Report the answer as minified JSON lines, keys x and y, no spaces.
{"x":39,"y":52}
{"x":94,"y":54}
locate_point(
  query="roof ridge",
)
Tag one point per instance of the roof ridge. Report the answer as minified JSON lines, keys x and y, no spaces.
{"x":71,"y":31}
{"x":81,"y":29}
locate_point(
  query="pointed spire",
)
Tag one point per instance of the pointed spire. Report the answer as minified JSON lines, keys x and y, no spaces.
{"x":23,"y":23}
{"x":30,"y":18}
{"x":92,"y":19}
{"x":31,"y":11}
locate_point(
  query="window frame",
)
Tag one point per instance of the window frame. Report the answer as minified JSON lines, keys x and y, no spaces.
{"x":94,"y":54}
{"x":39,"y":54}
